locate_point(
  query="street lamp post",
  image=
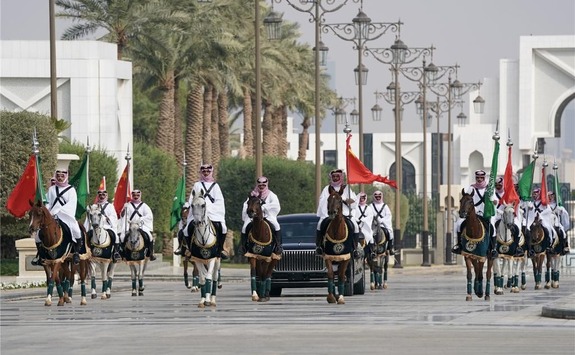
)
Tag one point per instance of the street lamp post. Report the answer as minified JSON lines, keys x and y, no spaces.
{"x":317,"y":9}
{"x":360,"y":31}
{"x":340,"y":116}
{"x":425,"y":75}
{"x":453,"y":91}
{"x":397,"y":55}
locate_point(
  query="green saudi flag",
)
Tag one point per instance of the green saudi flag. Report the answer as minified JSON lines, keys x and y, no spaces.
{"x":40,"y":193}
{"x":526,"y":182}
{"x":489,"y":210}
{"x":80,"y":183}
{"x":556,"y":190}
{"x":178,"y":202}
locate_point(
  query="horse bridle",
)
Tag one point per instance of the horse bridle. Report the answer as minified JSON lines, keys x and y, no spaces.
{"x":250,"y":211}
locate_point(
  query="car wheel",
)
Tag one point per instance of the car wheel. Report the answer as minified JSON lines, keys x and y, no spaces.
{"x":276,"y":291}
{"x":349,"y":282}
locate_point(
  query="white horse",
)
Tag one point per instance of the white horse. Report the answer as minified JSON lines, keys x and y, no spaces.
{"x":510,"y":243}
{"x":555,"y":252}
{"x":135,"y":252}
{"x":204,"y":252}
{"x":102,"y":244}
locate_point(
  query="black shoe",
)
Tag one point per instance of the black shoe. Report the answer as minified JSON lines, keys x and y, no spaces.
{"x":224,"y":255}
{"x":531,"y":254}
{"x":76,"y":258}
{"x":152,"y":257}
{"x":36,"y":261}
{"x":178,"y":251}
{"x":319,"y":251}
{"x":456,"y":250}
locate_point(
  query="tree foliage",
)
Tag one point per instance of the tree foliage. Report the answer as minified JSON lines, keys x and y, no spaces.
{"x":16,"y":134}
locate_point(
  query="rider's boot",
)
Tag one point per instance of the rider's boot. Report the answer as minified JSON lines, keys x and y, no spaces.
{"x":243,"y":247}
{"x":37,"y":261}
{"x":357,"y":249}
{"x":77,"y":247}
{"x":318,"y":240}
{"x":457,"y":247}
{"x":278,"y":238}
{"x":151,"y":251}
{"x":493,"y":247}
{"x":390,"y":249}
{"x":566,"y":247}
{"x":179,"y":250}
{"x":221,"y":251}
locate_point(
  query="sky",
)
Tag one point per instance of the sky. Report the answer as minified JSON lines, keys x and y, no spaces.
{"x":476,"y":35}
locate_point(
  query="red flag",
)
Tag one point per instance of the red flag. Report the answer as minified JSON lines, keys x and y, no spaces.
{"x":357,"y":173}
{"x":18,"y":203}
{"x":101,"y":187}
{"x":544,"y":197}
{"x":122,"y":194}
{"x":510,"y":195}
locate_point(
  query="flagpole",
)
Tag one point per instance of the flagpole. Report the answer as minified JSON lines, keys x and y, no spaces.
{"x":127,"y":158}
{"x":347,"y":131}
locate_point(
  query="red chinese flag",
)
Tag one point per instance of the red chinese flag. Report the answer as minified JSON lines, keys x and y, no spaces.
{"x":510,"y":195}
{"x":122,"y":194}
{"x":18,"y":203}
{"x":357,"y":173}
{"x":544,"y":197}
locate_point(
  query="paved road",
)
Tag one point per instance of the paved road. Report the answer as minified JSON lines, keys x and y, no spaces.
{"x":422,"y":312}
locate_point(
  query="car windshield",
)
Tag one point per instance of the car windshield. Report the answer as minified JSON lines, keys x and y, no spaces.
{"x":298,"y":232}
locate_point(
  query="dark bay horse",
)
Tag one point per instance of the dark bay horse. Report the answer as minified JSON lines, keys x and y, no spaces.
{"x":262,"y":251}
{"x":475,"y":234}
{"x":378,"y":259}
{"x":539,"y":237}
{"x":55,"y":250}
{"x":337,"y":245}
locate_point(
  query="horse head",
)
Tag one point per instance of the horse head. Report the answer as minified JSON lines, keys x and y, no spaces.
{"x":198,"y":207}
{"x":537,"y":229}
{"x":508,"y":216}
{"x":377,"y":230}
{"x":94,"y":216}
{"x":334,"y":204}
{"x":254,"y":207}
{"x":43,"y":224}
{"x":466,"y":205}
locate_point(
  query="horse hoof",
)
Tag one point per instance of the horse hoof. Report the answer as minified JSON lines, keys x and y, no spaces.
{"x":104,"y":297}
{"x":47,"y":303}
{"x":134,"y":293}
{"x":108,"y":295}
{"x":468,"y":298}
{"x":372,"y":286}
{"x":141,"y":293}
{"x":331,"y":298}
{"x":547,"y":286}
{"x":523,"y":287}
{"x":201,"y":305}
{"x":255,"y":298}
{"x":208,"y":303}
{"x":487,"y":298}
{"x":61,"y":303}
{"x":340,"y":300}
{"x":94,"y":296}
{"x":83,"y":301}
{"x":385,"y":286}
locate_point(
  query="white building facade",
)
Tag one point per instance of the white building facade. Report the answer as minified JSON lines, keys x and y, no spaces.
{"x":94,"y":89}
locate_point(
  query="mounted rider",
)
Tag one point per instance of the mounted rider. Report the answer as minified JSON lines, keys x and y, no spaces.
{"x":184,"y":212}
{"x":215,"y":207}
{"x":62,"y":201}
{"x":363,"y":216}
{"x":478,"y":189}
{"x":563,"y":220}
{"x":138,"y":208}
{"x":349,"y":204}
{"x":109,"y":221}
{"x":270,"y":207}
{"x":382,"y":212}
{"x":538,"y":207}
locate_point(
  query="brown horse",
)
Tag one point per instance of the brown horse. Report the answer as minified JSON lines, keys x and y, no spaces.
{"x":262,"y":251}
{"x":475,"y":235}
{"x":55,"y":249}
{"x":337,"y":245}
{"x":538,"y":236}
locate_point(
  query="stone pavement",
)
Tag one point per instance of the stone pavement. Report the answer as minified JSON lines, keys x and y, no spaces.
{"x":164,"y":271}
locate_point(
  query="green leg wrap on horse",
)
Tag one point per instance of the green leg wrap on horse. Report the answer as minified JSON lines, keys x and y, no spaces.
{"x":330,"y":286}
{"x":508,"y":282}
{"x":208,"y":286}
{"x":547,"y":276}
{"x":186,"y":282}
{"x":488,"y":287}
{"x":203,"y":290}
{"x":214,"y":288}
{"x":253,"y":284}
{"x":557,"y":276}
{"x":110,"y":283}
{"x":196,"y":281}
{"x":60,"y":291}
{"x":141,"y":283}
{"x":523,"y":278}
{"x":134,"y":284}
{"x":93,"y":282}
{"x":69,"y":291}
{"x":380,"y":279}
{"x":104,"y":285}
{"x":371,"y":277}
{"x":468,"y":287}
{"x":269,"y":285}
{"x":50,"y":288}
{"x":262,"y":288}
{"x":83,"y":289}
{"x":340,"y":287}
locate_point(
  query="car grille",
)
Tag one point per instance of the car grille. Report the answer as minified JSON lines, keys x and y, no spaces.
{"x":300,"y":260}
